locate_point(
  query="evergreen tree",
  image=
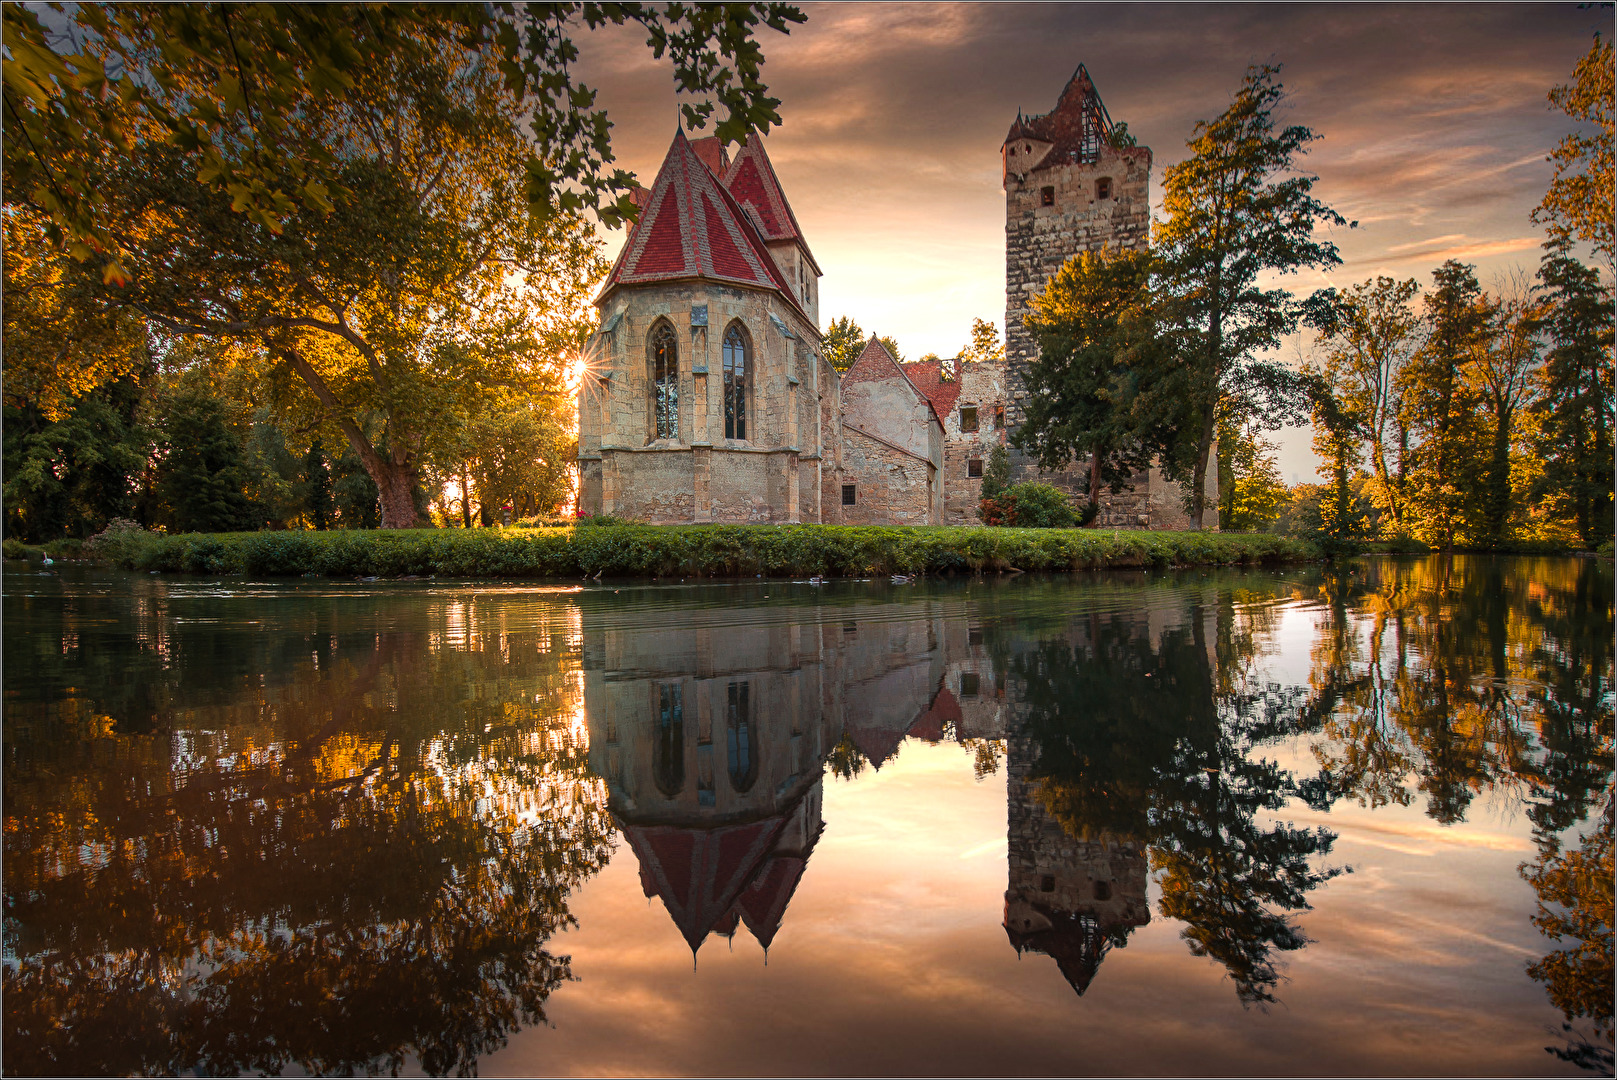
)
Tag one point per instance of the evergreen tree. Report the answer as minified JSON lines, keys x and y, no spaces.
{"x":842,"y":343}
{"x":317,"y":486}
{"x":203,"y":475}
{"x":1575,"y":411}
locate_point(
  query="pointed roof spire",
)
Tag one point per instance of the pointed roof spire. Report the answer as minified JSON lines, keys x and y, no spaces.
{"x":751,"y":180}
{"x":693,"y":228}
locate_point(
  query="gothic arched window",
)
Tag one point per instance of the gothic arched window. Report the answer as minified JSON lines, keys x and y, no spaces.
{"x":664,"y":381}
{"x":741,"y":739}
{"x":668,"y":740}
{"x":736,"y":370}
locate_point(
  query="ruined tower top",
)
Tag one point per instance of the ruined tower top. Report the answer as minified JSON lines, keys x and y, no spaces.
{"x":1075,"y":132}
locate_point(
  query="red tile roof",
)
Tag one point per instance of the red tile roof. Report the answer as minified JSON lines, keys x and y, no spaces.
{"x":714,"y":156}
{"x":694,"y":229}
{"x":752,"y":181}
{"x":700,"y":873}
{"x":927,"y":376}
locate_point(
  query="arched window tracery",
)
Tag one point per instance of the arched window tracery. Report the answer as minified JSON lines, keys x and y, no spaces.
{"x":737,"y":372}
{"x":741,"y":738}
{"x":664,"y":381}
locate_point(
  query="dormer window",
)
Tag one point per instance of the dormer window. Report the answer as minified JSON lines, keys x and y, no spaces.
{"x":1047,"y":196}
{"x":1103,"y":188}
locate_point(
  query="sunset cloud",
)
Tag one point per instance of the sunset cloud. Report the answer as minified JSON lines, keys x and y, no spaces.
{"x":1433,"y":126}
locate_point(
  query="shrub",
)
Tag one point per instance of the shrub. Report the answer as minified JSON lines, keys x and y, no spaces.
{"x":1030,"y":506}
{"x":14,"y":549}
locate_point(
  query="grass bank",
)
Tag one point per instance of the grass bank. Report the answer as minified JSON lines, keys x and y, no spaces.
{"x":683,"y":550}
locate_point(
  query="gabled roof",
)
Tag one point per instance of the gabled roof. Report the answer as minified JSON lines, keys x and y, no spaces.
{"x":1079,"y":127}
{"x":927,"y":377}
{"x":875,"y":362}
{"x":714,"y":156}
{"x":751,"y":180}
{"x":692,"y":228}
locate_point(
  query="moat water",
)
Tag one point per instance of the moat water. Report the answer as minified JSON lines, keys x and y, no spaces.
{"x":1264,"y":822}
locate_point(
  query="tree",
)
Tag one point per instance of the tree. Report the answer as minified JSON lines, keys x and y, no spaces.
{"x":317,"y":486}
{"x":203,"y":474}
{"x":891,"y":345}
{"x":1250,"y":490}
{"x":1435,"y":401}
{"x":842,"y":343}
{"x":229,"y":87}
{"x":1093,"y":358}
{"x":373,"y":202}
{"x":1505,"y":378}
{"x":1366,"y":336}
{"x":1579,"y":200}
{"x":1236,"y":209}
{"x":985,"y":345}
{"x":1575,"y":409}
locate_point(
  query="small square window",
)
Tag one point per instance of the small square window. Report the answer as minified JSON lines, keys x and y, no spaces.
{"x":968,"y":684}
{"x":847,"y":495}
{"x":974,"y":467}
{"x":968,"y":419}
{"x":1103,"y":188}
{"x":1047,"y":884}
{"x":974,"y":635}
{"x":1047,"y":196}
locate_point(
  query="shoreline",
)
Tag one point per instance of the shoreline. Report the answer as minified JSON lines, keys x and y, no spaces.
{"x":699,"y":551}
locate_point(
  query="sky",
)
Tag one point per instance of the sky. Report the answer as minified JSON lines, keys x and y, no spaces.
{"x":1433,"y":122}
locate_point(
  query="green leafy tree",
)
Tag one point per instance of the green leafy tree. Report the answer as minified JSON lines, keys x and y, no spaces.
{"x":1437,"y":403}
{"x":203,"y":475}
{"x":1575,"y":410}
{"x":231,"y":88}
{"x":1367,"y":335}
{"x":1579,"y":200}
{"x":1236,"y":209}
{"x":70,"y":475}
{"x":317,"y":486}
{"x":1250,"y":490}
{"x":842,"y":343}
{"x":985,"y":346}
{"x":996,"y":471}
{"x":1504,"y":379}
{"x":1093,"y":358}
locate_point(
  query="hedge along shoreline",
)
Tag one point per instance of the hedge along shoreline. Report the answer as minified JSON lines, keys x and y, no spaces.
{"x":683,"y":550}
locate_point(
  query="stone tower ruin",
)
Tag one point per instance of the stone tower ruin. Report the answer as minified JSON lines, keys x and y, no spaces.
{"x":1071,"y":187}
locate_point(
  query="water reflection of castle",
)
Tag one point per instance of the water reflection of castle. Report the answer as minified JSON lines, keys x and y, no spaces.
{"x":713,"y":743}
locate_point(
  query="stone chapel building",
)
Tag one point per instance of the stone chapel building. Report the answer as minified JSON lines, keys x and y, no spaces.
{"x":708,"y":399}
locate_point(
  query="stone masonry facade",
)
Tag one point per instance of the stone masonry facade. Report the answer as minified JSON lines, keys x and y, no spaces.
{"x":707,"y":397}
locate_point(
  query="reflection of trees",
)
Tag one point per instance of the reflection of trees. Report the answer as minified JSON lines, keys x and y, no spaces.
{"x":1575,"y":903}
{"x":358,"y":866}
{"x":1462,"y":677}
{"x":1154,"y":736}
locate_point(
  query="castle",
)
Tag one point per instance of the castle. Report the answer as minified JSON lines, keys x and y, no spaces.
{"x":708,"y":398}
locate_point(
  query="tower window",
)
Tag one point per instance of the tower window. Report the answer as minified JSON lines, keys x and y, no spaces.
{"x":1103,"y":188}
{"x":735,"y":382}
{"x":1103,"y":890}
{"x":665,"y":381}
{"x":968,"y":684}
{"x":999,"y":417}
{"x":1047,"y":196}
{"x":974,"y":467}
{"x":1047,"y":883}
{"x":847,"y":495}
{"x":968,"y":418}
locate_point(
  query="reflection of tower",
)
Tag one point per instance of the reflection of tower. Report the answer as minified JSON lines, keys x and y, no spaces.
{"x":1069,"y":898}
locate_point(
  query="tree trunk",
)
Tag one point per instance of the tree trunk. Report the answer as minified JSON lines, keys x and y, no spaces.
{"x":394,"y":475}
{"x":465,"y":500}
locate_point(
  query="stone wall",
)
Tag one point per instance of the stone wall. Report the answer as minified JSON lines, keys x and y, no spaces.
{"x":698,"y":474}
{"x":982,"y":386}
{"x":892,"y":486}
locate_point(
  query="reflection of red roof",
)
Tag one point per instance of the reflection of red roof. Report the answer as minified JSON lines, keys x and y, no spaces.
{"x":927,"y":376}
{"x":944,"y":709}
{"x":699,"y":873}
{"x":1078,"y":127}
{"x":692,"y":228}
